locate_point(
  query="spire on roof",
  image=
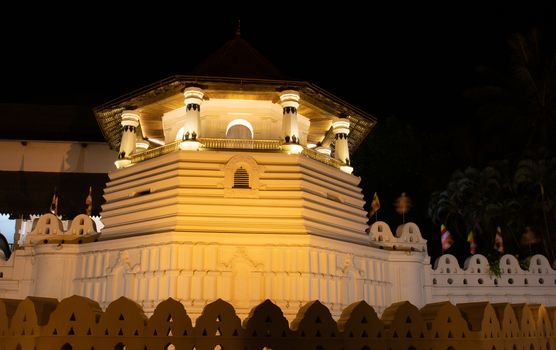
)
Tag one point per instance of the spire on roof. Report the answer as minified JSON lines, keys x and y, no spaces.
{"x":238,"y":59}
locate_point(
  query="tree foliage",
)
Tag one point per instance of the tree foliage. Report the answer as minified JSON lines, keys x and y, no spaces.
{"x":513,"y":112}
{"x":513,"y":195}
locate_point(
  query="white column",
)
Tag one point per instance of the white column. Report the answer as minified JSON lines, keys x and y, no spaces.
{"x":289,"y":99}
{"x":192,"y":126}
{"x":322,"y":149}
{"x":340,"y":128}
{"x":140,"y":143}
{"x":130,"y":121}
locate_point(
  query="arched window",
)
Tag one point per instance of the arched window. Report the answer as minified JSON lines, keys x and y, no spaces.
{"x":241,"y":178}
{"x":239,"y":129}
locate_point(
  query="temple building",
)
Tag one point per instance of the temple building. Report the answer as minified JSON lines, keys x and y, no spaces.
{"x":234,"y":182}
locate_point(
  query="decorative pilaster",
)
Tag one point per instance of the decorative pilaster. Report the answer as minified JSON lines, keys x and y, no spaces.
{"x":340,"y":128}
{"x":130,"y":122}
{"x":289,"y":99}
{"x":193,"y":99}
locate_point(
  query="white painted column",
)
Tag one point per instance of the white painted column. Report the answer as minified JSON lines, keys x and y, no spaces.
{"x":324,"y":150}
{"x":130,"y":121}
{"x":340,"y":128}
{"x":140,"y":143}
{"x":289,"y":99}
{"x":192,"y":126}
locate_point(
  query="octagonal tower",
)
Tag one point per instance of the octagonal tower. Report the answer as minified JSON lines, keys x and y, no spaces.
{"x":230,"y":183}
{"x":246,"y":191}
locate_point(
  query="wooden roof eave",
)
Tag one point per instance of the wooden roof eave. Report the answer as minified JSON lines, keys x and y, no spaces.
{"x":108,"y":114}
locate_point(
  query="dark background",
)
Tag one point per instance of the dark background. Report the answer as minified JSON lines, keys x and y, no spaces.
{"x":408,"y":65}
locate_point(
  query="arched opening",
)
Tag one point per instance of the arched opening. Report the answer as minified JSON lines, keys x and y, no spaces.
{"x":239,"y":129}
{"x":66,"y":346}
{"x":119,"y":346}
{"x":241,"y":178}
{"x":170,"y":347}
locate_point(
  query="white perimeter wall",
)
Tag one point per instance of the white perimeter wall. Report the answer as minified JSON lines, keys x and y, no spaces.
{"x":197,"y":269}
{"x":246,"y":269}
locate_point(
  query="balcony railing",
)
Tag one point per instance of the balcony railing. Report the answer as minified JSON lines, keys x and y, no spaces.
{"x":217,"y":143}
{"x":155,"y":152}
{"x":323,"y":158}
{"x":232,"y":144}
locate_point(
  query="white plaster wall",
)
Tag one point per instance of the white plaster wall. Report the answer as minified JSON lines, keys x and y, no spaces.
{"x":449,"y":281}
{"x":199,"y":268}
{"x":192,"y":191}
{"x":47,"y":156}
{"x":245,"y":269}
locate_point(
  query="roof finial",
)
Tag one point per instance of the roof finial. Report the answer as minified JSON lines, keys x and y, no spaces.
{"x":238,"y":30}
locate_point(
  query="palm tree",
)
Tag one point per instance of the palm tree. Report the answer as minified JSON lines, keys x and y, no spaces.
{"x":471,"y":201}
{"x":534,"y":183}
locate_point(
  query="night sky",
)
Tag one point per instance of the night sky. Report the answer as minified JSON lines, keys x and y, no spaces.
{"x":414,"y":65}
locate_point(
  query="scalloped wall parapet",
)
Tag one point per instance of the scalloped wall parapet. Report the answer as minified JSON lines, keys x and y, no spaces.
{"x":476,"y":272}
{"x":408,"y":237}
{"x":48,"y":228}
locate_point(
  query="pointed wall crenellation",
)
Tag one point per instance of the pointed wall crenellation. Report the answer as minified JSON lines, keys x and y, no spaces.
{"x":315,"y":327}
{"x":79,"y":323}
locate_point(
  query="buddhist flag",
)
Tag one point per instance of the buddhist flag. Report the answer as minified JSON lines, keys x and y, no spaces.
{"x":375,"y":205}
{"x":54,"y":204}
{"x":498,"y":241}
{"x":89,"y":202}
{"x":472,"y":243}
{"x":446,"y":238}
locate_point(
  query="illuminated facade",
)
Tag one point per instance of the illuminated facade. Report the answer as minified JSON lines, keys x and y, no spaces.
{"x":232,"y":188}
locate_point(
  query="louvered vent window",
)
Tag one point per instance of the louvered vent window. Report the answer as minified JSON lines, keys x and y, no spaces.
{"x":241,"y":178}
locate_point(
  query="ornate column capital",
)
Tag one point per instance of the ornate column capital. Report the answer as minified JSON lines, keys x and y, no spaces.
{"x":289,"y":98}
{"x":193,"y":96}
